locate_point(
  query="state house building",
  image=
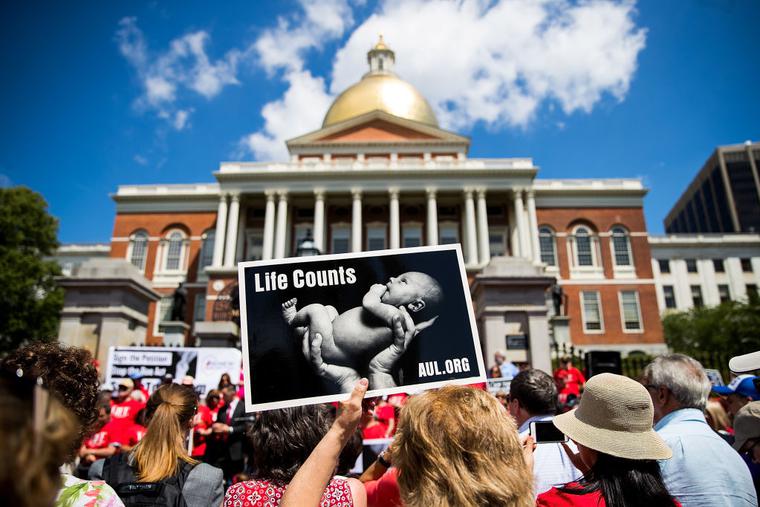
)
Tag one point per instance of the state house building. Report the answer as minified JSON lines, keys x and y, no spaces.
{"x":381,"y":173}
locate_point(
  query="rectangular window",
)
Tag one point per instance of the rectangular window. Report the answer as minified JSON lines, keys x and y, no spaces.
{"x":670,"y":296}
{"x":592,"y":311}
{"x":751,"y":290}
{"x":376,"y":237}
{"x":199,"y":307}
{"x":718,"y":266}
{"x":691,"y":265}
{"x":724,"y":293}
{"x":497,"y":242}
{"x":746,"y":265}
{"x":412,"y":236}
{"x":583,"y":246}
{"x":621,"y":247}
{"x":255,"y":245}
{"x":696,"y":296}
{"x":340,"y":237}
{"x":546,"y":245}
{"x":174,"y":252}
{"x":664,"y":265}
{"x":448,"y":234}
{"x":629,"y":302}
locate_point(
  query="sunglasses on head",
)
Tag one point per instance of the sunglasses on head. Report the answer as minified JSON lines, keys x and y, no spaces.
{"x":123,"y":388}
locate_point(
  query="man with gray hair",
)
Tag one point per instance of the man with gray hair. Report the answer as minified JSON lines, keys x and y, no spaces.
{"x":704,"y":470}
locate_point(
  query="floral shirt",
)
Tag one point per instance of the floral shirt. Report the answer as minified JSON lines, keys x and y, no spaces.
{"x":268,"y":494}
{"x":79,"y":493}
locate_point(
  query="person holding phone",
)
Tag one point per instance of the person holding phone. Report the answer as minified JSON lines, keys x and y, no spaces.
{"x":618,"y":450}
{"x":532,"y":402}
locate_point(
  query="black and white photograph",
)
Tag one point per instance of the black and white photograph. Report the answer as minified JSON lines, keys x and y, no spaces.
{"x":313,"y":326}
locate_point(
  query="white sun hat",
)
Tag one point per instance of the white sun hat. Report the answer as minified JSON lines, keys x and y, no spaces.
{"x":615,"y":417}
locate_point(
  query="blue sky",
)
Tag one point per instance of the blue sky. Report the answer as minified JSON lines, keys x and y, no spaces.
{"x":98,"y":94}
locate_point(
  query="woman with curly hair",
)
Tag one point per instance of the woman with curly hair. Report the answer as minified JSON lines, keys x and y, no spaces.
{"x":282,"y":441}
{"x":37,"y":434}
{"x":69,"y":374}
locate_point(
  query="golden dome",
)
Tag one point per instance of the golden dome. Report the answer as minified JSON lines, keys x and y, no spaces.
{"x":380,"y":89}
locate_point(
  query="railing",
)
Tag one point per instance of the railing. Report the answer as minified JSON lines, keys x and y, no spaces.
{"x":633,"y":364}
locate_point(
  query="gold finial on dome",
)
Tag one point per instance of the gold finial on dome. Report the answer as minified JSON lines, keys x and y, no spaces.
{"x":381,"y":46}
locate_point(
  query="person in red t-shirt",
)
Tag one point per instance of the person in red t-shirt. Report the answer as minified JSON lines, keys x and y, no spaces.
{"x":203,"y":421}
{"x":98,"y":445}
{"x":386,"y":414}
{"x":569,"y":379}
{"x":124,"y":412}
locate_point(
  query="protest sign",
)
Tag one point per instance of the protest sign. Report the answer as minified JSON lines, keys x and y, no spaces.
{"x":312,"y":326}
{"x":205,"y":364}
{"x":497,"y":385}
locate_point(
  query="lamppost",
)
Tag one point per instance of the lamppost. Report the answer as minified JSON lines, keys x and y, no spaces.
{"x":307,"y":248}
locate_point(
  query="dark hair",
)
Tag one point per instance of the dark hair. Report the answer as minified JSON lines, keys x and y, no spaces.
{"x":282,"y":440}
{"x":625,"y":482}
{"x":350,"y":453}
{"x":69,"y":373}
{"x":536,"y":392}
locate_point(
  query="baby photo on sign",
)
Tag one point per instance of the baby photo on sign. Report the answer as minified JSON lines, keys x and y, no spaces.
{"x":313,"y":326}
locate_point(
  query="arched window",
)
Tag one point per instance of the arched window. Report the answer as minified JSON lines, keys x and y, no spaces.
{"x":175,"y":243}
{"x":547,"y":245}
{"x":621,"y":246}
{"x":138,"y":249}
{"x":584,"y":249}
{"x":207,"y":249}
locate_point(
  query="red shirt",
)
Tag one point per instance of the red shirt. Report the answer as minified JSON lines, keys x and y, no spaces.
{"x":384,"y":492}
{"x":267,"y":494}
{"x":385,"y":413}
{"x":123,"y":417}
{"x":101,"y":439}
{"x":569,"y":380}
{"x":376,"y":431}
{"x":135,"y":433}
{"x":205,"y":420}
{"x":557,"y":498}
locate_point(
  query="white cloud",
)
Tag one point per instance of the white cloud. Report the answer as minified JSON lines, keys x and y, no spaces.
{"x":300,"y":110}
{"x":183,"y":67}
{"x":495,"y":63}
{"x":306,"y":99}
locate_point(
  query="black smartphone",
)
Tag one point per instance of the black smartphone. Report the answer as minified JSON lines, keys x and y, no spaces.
{"x":545,"y":432}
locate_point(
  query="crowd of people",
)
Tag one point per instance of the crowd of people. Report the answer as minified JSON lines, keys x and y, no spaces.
{"x":669,"y":438}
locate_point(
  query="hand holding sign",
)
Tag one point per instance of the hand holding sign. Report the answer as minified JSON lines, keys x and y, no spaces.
{"x":381,"y":366}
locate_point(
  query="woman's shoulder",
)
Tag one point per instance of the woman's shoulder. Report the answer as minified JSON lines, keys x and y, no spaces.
{"x":78,"y":492}
{"x":203,"y":472}
{"x":570,"y":495}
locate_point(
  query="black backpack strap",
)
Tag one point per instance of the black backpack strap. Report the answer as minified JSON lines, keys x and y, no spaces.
{"x":117,"y":470}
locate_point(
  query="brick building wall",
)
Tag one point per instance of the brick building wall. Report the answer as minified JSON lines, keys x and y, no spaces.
{"x":601,"y":220}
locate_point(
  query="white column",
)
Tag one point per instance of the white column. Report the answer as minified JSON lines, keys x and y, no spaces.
{"x":432,"y":218}
{"x":268,"y":247}
{"x":533,"y":225}
{"x":520,"y":216}
{"x":484,"y":247}
{"x":514,"y":241}
{"x":319,"y":220}
{"x":232,"y":231}
{"x":356,"y":220}
{"x":395,"y":226}
{"x":280,"y":237}
{"x":735,"y":277}
{"x":221,"y":227}
{"x":470,"y":228}
{"x":709,"y":284}
{"x":681,"y":284}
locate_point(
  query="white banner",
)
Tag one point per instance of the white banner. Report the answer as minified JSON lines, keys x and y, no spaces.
{"x":206,"y":365}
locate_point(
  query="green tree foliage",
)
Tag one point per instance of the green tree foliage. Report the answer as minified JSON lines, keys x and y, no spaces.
{"x":30,"y":300}
{"x":732,"y":328}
